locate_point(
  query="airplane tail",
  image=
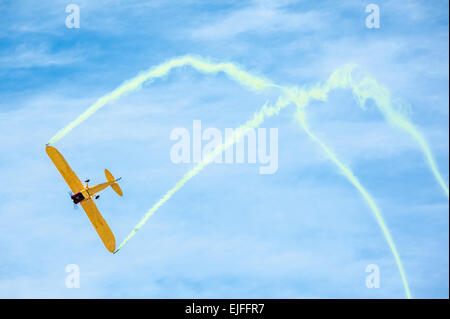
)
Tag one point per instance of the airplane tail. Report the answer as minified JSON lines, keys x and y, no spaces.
{"x":110,"y":178}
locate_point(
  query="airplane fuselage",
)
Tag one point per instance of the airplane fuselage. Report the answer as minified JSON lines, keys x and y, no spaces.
{"x":88,"y":192}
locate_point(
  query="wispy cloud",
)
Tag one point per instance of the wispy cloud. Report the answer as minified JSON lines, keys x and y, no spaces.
{"x":25,"y":56}
{"x":259,"y":20}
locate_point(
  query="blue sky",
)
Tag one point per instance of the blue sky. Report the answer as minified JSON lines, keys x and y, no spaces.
{"x":303,"y":232}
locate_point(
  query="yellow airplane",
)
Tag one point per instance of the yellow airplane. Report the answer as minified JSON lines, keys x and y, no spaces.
{"x":85,"y":195}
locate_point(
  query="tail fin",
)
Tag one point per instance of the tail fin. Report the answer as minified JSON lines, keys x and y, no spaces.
{"x":110,"y":178}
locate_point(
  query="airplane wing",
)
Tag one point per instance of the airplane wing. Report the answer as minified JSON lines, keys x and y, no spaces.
{"x":99,"y":224}
{"x":89,"y":206}
{"x":64,"y":169}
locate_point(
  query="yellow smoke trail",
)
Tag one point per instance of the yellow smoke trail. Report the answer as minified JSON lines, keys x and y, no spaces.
{"x":341,"y":78}
{"x":255,"y":122}
{"x":352,"y":178}
{"x":159,"y":71}
{"x":369,"y":88}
